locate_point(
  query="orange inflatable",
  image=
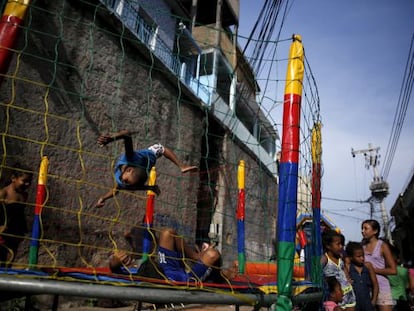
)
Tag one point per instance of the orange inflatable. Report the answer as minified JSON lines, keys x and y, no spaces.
{"x":270,"y":268}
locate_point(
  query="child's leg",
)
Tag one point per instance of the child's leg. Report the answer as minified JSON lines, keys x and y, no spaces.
{"x":170,"y":155}
{"x":169,"y":239}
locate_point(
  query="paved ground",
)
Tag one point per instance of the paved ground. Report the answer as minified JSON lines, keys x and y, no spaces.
{"x":189,"y":308}
{"x":43,"y":303}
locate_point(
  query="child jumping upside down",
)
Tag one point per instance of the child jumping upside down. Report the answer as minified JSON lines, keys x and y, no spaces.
{"x":133,"y":167}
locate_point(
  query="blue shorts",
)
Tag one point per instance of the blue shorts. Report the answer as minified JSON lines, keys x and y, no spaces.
{"x":172,"y":264}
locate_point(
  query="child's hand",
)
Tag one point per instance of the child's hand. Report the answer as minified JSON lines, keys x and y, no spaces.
{"x":120,"y":258}
{"x":104,"y":139}
{"x":100,"y":203}
{"x":156,"y":189}
{"x":232,"y":272}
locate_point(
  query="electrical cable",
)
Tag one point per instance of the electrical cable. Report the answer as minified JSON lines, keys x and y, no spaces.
{"x":403,"y":100}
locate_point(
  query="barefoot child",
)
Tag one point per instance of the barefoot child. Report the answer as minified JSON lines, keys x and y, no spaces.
{"x":362,"y":274}
{"x":133,"y":167}
{"x":177,"y":261}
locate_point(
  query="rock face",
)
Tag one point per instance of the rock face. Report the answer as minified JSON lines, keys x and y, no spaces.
{"x":75,"y":74}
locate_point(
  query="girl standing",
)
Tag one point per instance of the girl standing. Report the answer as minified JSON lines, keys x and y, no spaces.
{"x":333,"y":265}
{"x":378,"y":253}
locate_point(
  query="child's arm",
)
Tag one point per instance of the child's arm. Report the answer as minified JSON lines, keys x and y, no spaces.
{"x":3,"y":194}
{"x":347,"y":264}
{"x":231,"y":272}
{"x":374,"y":281}
{"x":324,"y":260}
{"x":105,"y":139}
{"x":390,"y":264}
{"x":110,"y":194}
{"x":118,"y":259}
{"x":154,"y":188}
{"x":411,"y":283}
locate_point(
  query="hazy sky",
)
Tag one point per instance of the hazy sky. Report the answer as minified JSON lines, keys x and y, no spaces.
{"x":357,"y":51}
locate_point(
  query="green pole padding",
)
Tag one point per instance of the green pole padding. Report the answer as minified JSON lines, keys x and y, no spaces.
{"x":285,"y":256}
{"x":316,"y":271}
{"x":242,"y":263}
{"x":283,"y":303}
{"x":33,"y":252}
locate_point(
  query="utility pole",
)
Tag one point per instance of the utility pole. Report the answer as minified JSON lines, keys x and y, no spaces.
{"x":379,"y":187}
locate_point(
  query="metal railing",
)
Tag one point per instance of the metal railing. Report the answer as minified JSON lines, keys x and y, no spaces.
{"x":129,"y":15}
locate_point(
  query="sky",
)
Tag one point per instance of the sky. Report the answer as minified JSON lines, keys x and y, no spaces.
{"x":357,"y":51}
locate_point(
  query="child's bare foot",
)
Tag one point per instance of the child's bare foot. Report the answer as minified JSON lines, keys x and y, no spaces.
{"x":187,"y":169}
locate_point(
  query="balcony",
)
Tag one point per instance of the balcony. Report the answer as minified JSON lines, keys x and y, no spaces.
{"x":129,"y":14}
{"x":206,"y":11}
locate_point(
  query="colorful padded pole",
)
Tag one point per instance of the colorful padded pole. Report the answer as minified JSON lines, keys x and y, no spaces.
{"x":40,"y":200}
{"x":316,"y":270}
{"x":240,"y":217}
{"x":288,"y":175}
{"x":10,"y":25}
{"x":149,"y":215}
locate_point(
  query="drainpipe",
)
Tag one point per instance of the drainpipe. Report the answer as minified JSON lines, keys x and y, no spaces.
{"x":193,"y":13}
{"x":216,"y":226}
{"x":233,"y":86}
{"x":217,"y":44}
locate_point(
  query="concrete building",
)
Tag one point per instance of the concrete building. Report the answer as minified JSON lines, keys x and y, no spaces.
{"x":403,"y":213}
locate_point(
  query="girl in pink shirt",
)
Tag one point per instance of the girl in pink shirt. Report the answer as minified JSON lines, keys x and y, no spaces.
{"x":335,"y":294}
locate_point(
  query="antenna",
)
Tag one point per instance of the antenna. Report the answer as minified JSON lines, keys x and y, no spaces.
{"x":379,"y":187}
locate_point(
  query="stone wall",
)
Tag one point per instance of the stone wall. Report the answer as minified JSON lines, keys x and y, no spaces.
{"x":77,"y":74}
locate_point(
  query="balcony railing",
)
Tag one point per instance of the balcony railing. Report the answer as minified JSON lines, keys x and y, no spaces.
{"x":129,"y":15}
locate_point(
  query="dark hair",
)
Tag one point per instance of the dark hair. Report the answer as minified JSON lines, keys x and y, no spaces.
{"x":394,"y":250}
{"x":328,"y":237}
{"x":352,"y":246}
{"x":20,"y":170}
{"x":331,"y":283}
{"x":342,"y":237}
{"x":374,"y":225}
{"x":17,"y":170}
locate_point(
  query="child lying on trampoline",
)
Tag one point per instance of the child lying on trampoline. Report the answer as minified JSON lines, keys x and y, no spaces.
{"x":176,"y":261}
{"x":133,"y":167}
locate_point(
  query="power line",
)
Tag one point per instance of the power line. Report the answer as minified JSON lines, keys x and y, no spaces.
{"x":345,"y":200}
{"x":403,"y":100}
{"x":345,"y":215}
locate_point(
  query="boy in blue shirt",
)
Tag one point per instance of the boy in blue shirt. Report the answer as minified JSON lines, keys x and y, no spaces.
{"x":133,"y":167}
